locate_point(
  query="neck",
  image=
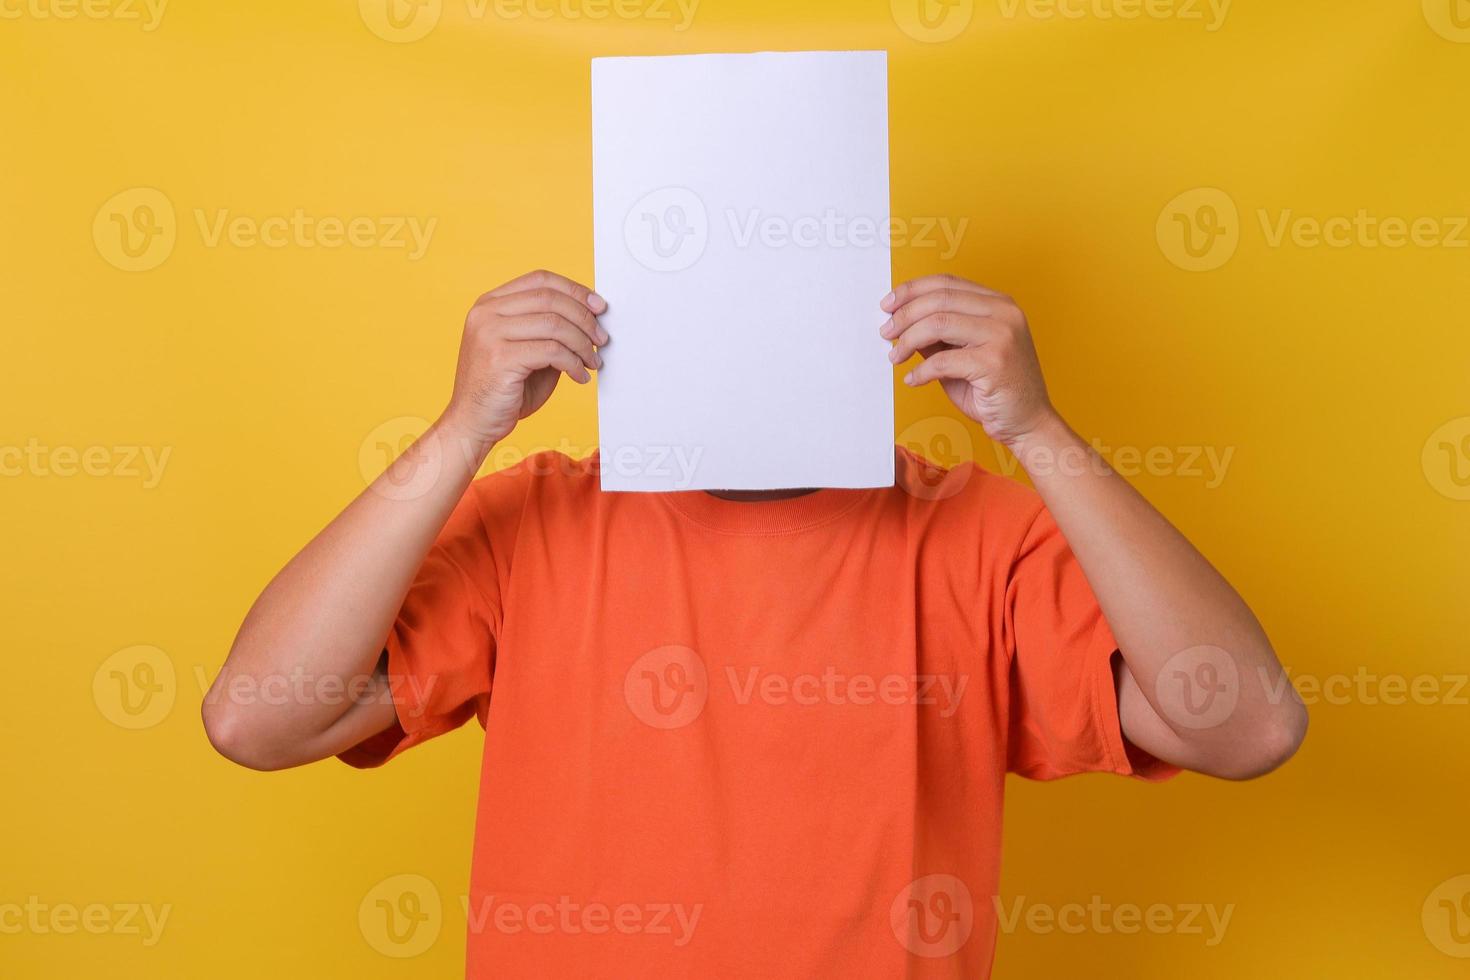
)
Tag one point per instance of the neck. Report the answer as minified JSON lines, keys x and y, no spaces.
{"x":755,"y":496}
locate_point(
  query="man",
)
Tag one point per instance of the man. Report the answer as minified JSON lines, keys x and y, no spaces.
{"x":754,"y":734}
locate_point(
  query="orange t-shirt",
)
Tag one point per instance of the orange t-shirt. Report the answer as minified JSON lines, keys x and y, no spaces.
{"x":737,"y":739}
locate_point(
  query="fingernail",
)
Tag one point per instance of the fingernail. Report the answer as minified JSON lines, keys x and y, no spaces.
{"x":883,"y":330}
{"x":886,"y":301}
{"x":597,"y":360}
{"x":908,"y":379}
{"x":893,"y":355}
{"x":602,"y":337}
{"x":596,"y":302}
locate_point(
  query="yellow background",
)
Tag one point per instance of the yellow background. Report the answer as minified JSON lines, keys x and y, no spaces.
{"x":269,"y":374}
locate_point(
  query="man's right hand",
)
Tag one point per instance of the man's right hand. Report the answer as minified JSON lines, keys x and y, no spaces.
{"x":327,"y":612}
{"x":518,"y":340}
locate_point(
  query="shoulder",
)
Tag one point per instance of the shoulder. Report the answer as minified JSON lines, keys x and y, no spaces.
{"x":531,"y":481}
{"x":549,"y":471}
{"x":962,"y":490}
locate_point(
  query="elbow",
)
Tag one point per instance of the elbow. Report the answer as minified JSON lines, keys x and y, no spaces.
{"x":1274,"y":741}
{"x":232,"y":735}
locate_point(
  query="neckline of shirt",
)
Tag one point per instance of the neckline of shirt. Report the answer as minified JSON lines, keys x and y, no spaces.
{"x":764,"y":516}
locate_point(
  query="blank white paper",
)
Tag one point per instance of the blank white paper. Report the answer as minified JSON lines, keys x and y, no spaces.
{"x":740,"y":211}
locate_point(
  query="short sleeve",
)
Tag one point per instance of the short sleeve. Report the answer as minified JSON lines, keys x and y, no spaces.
{"x":1063,"y":698}
{"x":441,"y":649}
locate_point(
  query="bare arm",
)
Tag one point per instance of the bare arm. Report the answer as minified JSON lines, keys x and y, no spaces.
{"x":318,"y":629}
{"x":1200,"y":685}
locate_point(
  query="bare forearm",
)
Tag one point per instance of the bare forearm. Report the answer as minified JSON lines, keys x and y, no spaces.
{"x":1202,"y":685}
{"x":321,"y":623}
{"x":299,"y":681}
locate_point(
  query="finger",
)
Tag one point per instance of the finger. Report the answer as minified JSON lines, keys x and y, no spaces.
{"x":940,"y":300}
{"x":544,"y":278}
{"x":543,"y":299}
{"x":533,"y":355}
{"x":942,"y":328}
{"x":906,"y":291}
{"x":552,"y":326}
{"x":957,"y":363}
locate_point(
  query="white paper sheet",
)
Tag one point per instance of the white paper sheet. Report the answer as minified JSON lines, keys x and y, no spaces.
{"x":741,"y":235}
